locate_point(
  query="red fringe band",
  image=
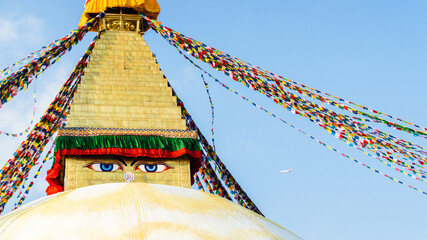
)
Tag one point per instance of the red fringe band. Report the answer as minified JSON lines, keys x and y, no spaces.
{"x":53,"y":174}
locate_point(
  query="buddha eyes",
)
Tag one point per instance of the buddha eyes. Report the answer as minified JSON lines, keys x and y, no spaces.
{"x":143,"y":167}
{"x":152,"y":168}
{"x":105,"y":167}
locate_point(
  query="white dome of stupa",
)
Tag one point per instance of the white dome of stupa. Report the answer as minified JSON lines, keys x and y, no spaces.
{"x":137,"y":211}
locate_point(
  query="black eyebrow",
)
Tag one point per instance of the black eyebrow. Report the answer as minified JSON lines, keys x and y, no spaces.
{"x":135,"y":160}
{"x":121,"y":160}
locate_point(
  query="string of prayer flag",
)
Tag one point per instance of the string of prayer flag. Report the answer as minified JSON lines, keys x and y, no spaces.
{"x":25,"y":190}
{"x":213,"y":111}
{"x":14,"y":80}
{"x":32,"y":118}
{"x":218,"y":179}
{"x":16,"y":170}
{"x":356,"y":127}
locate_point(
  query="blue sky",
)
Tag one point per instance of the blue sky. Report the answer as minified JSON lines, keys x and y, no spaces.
{"x":371,"y":52}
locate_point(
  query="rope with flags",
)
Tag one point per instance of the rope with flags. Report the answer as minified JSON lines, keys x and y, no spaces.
{"x":356,"y":128}
{"x":317,"y":140}
{"x":213,"y":175}
{"x":32,"y":118}
{"x":18,"y":76}
{"x":25,"y":190}
{"x":324,"y":144}
{"x":17,"y":169}
{"x":213,"y":111}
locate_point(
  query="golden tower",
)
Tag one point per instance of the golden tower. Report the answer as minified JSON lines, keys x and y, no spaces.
{"x":124,"y":116}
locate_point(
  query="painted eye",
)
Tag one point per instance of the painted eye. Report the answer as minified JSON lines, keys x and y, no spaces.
{"x":105,"y":167}
{"x":152,"y":168}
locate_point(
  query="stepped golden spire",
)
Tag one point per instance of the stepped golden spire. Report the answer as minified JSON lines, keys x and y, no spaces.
{"x":124,"y":121}
{"x":136,"y":96}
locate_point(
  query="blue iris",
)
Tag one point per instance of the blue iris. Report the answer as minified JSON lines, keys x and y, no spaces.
{"x":106,"y":167}
{"x":150,"y":167}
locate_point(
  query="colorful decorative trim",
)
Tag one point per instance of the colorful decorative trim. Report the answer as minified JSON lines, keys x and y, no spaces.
{"x":88,"y":132}
{"x":128,"y":146}
{"x":126,"y":142}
